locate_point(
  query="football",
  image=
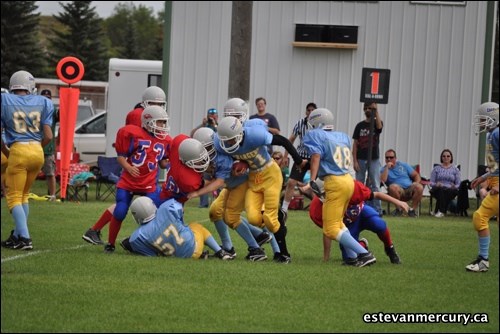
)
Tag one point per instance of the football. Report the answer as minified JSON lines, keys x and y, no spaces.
{"x":239,"y":166}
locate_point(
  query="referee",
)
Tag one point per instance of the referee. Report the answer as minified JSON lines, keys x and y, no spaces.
{"x":297,"y":175}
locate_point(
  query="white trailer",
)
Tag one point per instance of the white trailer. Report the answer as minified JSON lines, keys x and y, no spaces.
{"x":128,"y":78}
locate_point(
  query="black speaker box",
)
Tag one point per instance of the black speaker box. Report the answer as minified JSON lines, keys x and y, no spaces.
{"x":341,"y":34}
{"x":309,"y":33}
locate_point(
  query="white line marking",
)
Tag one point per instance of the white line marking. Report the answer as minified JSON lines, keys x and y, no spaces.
{"x":28,"y":253}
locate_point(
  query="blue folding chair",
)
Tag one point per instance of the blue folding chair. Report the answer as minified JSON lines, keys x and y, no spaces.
{"x":107,"y":177}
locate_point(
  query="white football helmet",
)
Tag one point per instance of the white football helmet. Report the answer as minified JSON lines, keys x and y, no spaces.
{"x":151,"y":119}
{"x":22,"y":80}
{"x":143,"y":209}
{"x":230,"y":131}
{"x":154,"y":96}
{"x":321,"y":118}
{"x":486,"y":117}
{"x":236,"y":107}
{"x":193,"y":154}
{"x":206,"y":136}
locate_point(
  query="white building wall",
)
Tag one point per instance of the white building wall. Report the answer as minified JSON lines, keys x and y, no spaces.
{"x":199,"y":61}
{"x":435,"y":54}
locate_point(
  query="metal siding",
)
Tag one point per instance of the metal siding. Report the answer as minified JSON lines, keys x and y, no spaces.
{"x":435,"y":54}
{"x":199,"y":69}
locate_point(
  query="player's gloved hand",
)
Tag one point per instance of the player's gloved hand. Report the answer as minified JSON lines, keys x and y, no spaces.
{"x":315,"y":188}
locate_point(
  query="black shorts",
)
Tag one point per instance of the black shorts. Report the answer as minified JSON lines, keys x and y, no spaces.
{"x":297,"y":174}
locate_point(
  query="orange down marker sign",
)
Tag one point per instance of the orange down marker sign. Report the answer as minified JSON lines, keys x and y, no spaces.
{"x":70,"y":70}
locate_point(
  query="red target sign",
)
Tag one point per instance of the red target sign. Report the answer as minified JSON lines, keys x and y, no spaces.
{"x":70,"y":70}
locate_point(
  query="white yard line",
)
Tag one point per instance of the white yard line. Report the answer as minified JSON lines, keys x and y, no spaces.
{"x":29,"y":253}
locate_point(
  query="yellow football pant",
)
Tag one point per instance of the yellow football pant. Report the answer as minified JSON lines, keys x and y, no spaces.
{"x":229,"y":205}
{"x":339,"y":190}
{"x":5,"y":162}
{"x":25,"y":162}
{"x":264,"y":189}
{"x":200,"y":235}
{"x":488,"y":208}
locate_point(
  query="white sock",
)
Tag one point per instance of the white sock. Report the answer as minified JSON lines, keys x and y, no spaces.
{"x":285,"y":205}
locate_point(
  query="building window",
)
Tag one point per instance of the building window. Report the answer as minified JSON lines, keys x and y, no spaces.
{"x":450,"y":3}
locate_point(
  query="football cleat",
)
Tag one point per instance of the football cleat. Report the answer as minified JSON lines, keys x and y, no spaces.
{"x":479,"y":265}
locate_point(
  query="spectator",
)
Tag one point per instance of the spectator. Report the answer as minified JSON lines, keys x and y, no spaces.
{"x":270,"y":120}
{"x":211,"y":122}
{"x":150,"y":239}
{"x":49,"y":164}
{"x":297,"y":175}
{"x":403,"y":182}
{"x":360,"y":151}
{"x":445,"y":180}
{"x":19,"y":110}
{"x":486,"y":120}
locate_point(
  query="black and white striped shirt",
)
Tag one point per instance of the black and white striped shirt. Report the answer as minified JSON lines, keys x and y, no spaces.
{"x":299,"y":130}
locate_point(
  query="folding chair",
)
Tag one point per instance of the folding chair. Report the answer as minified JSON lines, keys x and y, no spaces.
{"x":109,"y":173}
{"x":75,"y":191}
{"x":79,"y":182}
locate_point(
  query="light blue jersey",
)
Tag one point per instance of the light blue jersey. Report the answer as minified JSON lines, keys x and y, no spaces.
{"x":166,"y":234}
{"x":492,"y":151}
{"x":224,"y":165}
{"x":334,"y":147}
{"x":23,"y":117}
{"x":253,"y":146}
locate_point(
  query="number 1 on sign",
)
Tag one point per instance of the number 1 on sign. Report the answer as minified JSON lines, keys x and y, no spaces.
{"x":375,"y":81}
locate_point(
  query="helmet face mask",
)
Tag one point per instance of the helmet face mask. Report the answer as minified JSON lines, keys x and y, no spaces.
{"x":193,"y":154}
{"x":321,"y":118}
{"x":230,"y":132}
{"x":143,"y":210}
{"x":154,"y":96}
{"x":486,"y":117}
{"x":155,"y":120}
{"x":22,"y":80}
{"x":206,"y":137}
{"x":236,"y":107}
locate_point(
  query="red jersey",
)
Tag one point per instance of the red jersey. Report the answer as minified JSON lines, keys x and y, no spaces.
{"x":144,"y":151}
{"x":180,"y":179}
{"x":134,"y":117}
{"x":361,"y":193}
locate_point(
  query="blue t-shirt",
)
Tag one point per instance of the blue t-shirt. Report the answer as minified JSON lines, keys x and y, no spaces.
{"x":400,"y":174}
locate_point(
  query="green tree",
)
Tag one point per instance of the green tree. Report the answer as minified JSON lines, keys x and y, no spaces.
{"x":134,"y":32}
{"x":82,"y":37}
{"x":20,"y":49}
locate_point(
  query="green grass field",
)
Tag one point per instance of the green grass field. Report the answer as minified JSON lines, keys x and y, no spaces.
{"x":66,"y":285}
